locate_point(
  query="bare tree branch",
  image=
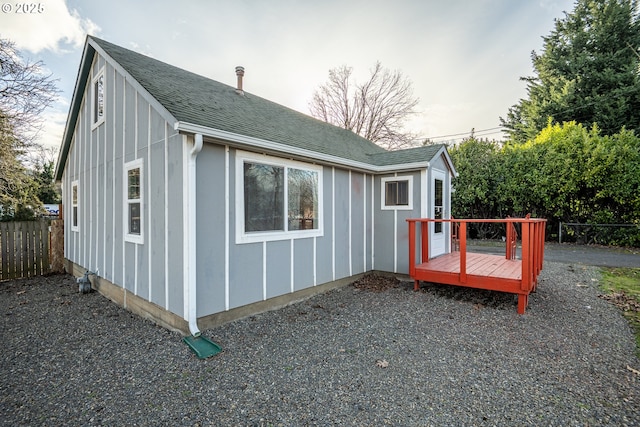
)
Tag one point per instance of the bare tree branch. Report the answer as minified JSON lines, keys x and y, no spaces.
{"x":25,"y":92}
{"x":376,"y":109}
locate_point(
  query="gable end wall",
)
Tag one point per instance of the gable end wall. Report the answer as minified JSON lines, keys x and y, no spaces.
{"x":133,"y":129}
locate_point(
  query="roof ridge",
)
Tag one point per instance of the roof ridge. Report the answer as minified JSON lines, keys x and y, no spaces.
{"x":201,"y":100}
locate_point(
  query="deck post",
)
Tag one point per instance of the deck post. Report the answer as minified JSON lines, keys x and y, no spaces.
{"x":424,"y":235}
{"x":526,"y":257}
{"x":543,"y":228}
{"x":508,"y":226}
{"x":540,"y":234}
{"x":463,"y":252}
{"x":523,"y":302}
{"x":412,"y":247}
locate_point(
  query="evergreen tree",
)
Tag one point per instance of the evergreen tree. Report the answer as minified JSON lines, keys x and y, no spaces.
{"x":588,"y":72}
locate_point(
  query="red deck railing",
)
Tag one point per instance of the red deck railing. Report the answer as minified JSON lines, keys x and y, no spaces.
{"x":483,"y":271}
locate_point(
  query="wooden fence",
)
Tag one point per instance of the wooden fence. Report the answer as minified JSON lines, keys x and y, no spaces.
{"x":25,"y":249}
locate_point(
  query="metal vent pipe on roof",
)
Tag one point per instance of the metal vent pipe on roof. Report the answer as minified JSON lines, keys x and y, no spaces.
{"x":240,"y":74}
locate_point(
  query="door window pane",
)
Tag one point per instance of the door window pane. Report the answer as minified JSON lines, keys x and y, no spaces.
{"x":438,"y":205}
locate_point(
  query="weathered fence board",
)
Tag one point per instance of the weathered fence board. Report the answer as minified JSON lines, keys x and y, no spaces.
{"x":24,"y":249}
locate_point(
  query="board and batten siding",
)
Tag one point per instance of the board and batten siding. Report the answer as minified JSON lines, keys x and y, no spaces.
{"x":231,"y":274}
{"x":391,"y":236}
{"x":133,"y":129}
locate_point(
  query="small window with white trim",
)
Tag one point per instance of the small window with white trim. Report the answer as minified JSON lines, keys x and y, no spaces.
{"x":397,"y":192}
{"x":134,"y":208}
{"x":74,"y":206}
{"x":98,"y":99}
{"x":276,"y":199}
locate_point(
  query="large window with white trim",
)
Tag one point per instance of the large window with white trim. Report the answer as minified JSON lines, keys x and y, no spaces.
{"x":98,"y":107}
{"x":134,"y":207}
{"x":397,"y":193}
{"x":276,"y":198}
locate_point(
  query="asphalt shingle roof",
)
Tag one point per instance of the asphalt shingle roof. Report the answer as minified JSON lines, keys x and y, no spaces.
{"x":198,"y":100}
{"x":409,"y":155}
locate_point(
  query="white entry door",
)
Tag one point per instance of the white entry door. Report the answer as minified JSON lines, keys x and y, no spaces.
{"x":437,"y":240}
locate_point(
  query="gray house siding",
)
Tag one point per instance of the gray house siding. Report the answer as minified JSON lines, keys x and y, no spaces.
{"x":173,"y":296}
{"x":357,"y":218}
{"x":341,"y":212}
{"x":245,"y":274}
{"x":303,"y":260}
{"x":383,"y":235}
{"x":278,"y":267}
{"x":369,"y":226}
{"x":258,"y":271}
{"x":211,"y":228}
{"x":324,"y":246}
{"x":157,"y":238}
{"x":390,"y":226}
{"x":132,"y":129}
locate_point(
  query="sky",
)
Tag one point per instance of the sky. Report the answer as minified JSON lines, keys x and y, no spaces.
{"x":464,"y":58}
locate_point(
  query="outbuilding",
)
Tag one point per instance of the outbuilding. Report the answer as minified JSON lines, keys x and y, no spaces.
{"x":195,"y":202}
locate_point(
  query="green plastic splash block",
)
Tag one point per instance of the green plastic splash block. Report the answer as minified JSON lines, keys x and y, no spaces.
{"x":202,"y":346}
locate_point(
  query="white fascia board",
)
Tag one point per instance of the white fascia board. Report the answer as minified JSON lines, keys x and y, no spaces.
{"x":249,"y":142}
{"x":403,"y":167}
{"x":444,"y":152}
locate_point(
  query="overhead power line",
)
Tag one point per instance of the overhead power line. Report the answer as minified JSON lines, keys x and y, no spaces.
{"x":468,"y":133}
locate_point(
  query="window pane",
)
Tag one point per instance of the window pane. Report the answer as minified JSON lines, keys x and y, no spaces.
{"x":438,"y":195}
{"x":134,"y":218}
{"x":75,"y":195}
{"x":437,"y":226}
{"x":403,"y":193}
{"x":134,"y":183}
{"x":263,"y":197}
{"x":303,"y":199}
{"x":98,"y":105}
{"x":396,"y":193}
{"x":75,"y":216}
{"x":391,"y":193}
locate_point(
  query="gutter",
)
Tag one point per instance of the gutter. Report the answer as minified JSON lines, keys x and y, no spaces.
{"x":190,"y":297}
{"x":287,"y":150}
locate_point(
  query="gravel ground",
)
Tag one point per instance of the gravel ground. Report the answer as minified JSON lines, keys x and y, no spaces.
{"x":360,"y":356}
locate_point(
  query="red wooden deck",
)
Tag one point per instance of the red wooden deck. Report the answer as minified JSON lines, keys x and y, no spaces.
{"x":483,"y":271}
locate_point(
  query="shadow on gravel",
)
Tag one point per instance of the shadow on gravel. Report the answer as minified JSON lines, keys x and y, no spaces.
{"x":480,"y":298}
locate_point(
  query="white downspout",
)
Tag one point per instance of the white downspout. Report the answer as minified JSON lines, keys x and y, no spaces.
{"x":190,"y":244}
